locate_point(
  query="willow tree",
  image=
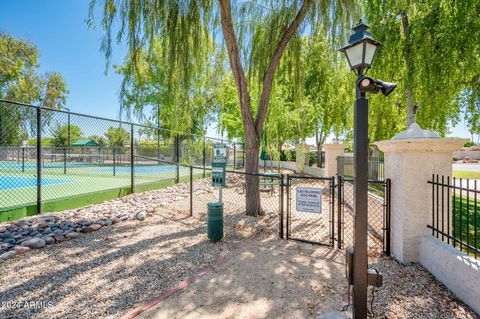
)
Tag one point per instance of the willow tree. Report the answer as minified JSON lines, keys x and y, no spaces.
{"x":143,"y":20}
{"x":431,"y":49}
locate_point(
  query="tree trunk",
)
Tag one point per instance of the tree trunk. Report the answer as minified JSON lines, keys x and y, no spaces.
{"x":411,"y":114}
{"x":253,"y":127}
{"x":252,"y":194}
{"x":410,"y":101}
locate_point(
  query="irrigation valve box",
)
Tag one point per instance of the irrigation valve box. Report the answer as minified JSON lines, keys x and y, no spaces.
{"x":219,"y":164}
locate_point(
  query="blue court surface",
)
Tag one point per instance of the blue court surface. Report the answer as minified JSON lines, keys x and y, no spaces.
{"x":13,"y":182}
{"x":139,"y":169}
{"x":30,"y":165}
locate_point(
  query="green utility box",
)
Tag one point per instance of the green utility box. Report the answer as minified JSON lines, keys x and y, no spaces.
{"x":215,"y":221}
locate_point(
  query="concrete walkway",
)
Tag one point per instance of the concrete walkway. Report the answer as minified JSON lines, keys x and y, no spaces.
{"x":271,"y":279}
{"x":466,"y":167}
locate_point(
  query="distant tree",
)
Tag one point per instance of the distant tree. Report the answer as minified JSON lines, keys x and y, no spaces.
{"x":101,"y":140}
{"x":20,"y":81}
{"x":117,"y":137}
{"x":60,"y":135}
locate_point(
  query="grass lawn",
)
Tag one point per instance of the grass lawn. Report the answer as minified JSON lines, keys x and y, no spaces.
{"x":467,"y":221}
{"x":466,"y":174}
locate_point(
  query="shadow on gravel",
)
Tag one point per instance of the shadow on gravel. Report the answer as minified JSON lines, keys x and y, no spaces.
{"x":108,"y":272}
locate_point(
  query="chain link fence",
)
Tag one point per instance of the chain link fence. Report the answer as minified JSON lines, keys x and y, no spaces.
{"x":378,"y":215}
{"x":59,"y":159}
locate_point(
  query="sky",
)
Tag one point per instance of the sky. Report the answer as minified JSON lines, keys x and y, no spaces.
{"x":68,"y":46}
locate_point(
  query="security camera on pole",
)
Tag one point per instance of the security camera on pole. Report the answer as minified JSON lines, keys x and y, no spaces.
{"x":360,"y":52}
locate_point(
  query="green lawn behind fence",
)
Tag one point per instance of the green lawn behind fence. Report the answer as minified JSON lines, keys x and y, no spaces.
{"x":467,"y":220}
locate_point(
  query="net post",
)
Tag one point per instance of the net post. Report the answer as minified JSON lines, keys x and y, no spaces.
{"x":39,"y":161}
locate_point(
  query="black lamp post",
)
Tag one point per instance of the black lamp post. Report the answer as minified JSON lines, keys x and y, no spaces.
{"x":360,"y":52}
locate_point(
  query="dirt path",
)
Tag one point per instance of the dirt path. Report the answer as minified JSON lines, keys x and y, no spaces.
{"x":272,"y":279}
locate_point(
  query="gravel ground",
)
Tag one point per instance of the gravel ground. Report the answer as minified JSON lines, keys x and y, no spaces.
{"x":105,"y":273}
{"x":412,"y":292}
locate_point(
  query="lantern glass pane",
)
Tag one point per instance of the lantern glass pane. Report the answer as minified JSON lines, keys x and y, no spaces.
{"x":355,"y":54}
{"x":369,"y":53}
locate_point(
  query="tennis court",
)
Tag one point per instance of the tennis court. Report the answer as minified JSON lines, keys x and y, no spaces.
{"x":18,"y":180}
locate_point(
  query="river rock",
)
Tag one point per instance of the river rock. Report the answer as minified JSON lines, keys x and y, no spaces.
{"x":10,"y":240}
{"x":59,"y":238}
{"x":21,"y":249}
{"x":7,"y":255}
{"x":92,"y":227}
{"x":34,"y":243}
{"x":72,"y":235}
{"x":141,"y":215}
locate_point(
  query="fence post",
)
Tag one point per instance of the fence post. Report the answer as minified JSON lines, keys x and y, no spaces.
{"x":191,"y":191}
{"x":204,"y":156}
{"x":332,"y":196}
{"x":339,"y":212}
{"x":64,"y":160}
{"x":288,"y":207}
{"x":177,"y":158}
{"x":69,"y":142}
{"x":388,"y":188}
{"x":132,"y":163}
{"x":39,"y":161}
{"x":281,"y":206}
{"x":234,"y":156}
{"x":114,"y":160}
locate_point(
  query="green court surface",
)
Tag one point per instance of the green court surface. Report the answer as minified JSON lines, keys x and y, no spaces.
{"x":77,"y":185}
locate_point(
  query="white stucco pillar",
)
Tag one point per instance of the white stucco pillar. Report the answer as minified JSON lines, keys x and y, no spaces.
{"x":411,"y":157}
{"x":331,"y":153}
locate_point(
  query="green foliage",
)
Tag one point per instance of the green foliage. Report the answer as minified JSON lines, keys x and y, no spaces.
{"x":468,"y":144}
{"x":20,"y":81}
{"x":117,"y":137}
{"x":431,"y":49}
{"x":60,"y":135}
{"x":101,"y":140}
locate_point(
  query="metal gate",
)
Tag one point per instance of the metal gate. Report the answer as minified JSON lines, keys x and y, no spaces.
{"x":311,"y":209}
{"x":334,"y":221}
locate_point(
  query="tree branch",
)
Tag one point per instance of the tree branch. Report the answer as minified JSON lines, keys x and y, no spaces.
{"x":236,"y":66}
{"x":275,"y":61}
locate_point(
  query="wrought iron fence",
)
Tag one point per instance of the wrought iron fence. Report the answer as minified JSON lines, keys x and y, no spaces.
{"x":58,"y":158}
{"x":376,"y":167}
{"x":455,"y":214}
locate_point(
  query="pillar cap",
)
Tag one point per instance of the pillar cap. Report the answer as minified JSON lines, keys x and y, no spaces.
{"x":414,"y":131}
{"x":421,"y":145}
{"x":334,"y":146}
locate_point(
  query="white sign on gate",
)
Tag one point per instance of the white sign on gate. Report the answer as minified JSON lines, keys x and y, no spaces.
{"x":309,"y":200}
